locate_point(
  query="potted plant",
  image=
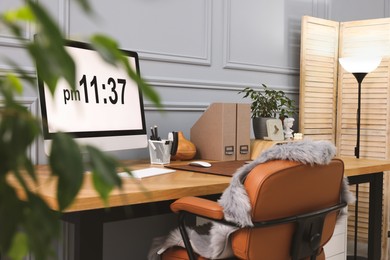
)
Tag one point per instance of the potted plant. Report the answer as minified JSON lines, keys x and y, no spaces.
{"x":268,"y":103}
{"x":27,"y":222}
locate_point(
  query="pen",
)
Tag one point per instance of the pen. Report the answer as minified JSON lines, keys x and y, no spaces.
{"x":156,"y":133}
{"x":153,"y":136}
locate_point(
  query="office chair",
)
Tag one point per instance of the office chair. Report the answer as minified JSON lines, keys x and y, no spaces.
{"x":294,"y":212}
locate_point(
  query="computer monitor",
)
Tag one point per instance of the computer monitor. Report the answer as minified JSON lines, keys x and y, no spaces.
{"x":106,"y":108}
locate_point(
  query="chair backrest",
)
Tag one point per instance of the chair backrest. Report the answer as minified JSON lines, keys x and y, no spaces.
{"x":280,"y":189}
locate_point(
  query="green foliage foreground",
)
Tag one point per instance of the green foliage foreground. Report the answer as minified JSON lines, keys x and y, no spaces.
{"x":29,"y":224}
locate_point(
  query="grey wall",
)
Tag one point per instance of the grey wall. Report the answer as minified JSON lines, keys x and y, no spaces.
{"x":194,"y":52}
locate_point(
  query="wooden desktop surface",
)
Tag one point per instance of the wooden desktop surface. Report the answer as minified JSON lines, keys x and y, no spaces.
{"x":168,"y":186}
{"x":354,"y":166}
{"x":134,"y":191}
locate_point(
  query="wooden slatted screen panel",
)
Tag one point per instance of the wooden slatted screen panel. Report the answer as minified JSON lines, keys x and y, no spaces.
{"x":318,"y":78}
{"x":326,"y":88}
{"x":367,"y":37}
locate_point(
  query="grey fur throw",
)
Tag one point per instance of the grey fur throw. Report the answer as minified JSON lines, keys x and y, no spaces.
{"x":235,"y":202}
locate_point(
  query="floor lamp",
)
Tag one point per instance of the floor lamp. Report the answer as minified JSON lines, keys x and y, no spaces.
{"x":359,"y":67}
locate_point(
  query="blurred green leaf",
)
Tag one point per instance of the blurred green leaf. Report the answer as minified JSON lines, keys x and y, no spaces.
{"x":12,"y":26}
{"x":20,"y":73}
{"x":109,"y":51}
{"x":85,"y":5}
{"x":51,"y":34}
{"x":18,"y":129}
{"x":15,"y":82}
{"x":104,"y":172}
{"x":19,"y":246}
{"x":41,"y":225}
{"x":21,"y":14}
{"x":107,"y":47}
{"x":8,"y":91}
{"x":48,"y":50}
{"x":10,"y":215}
{"x":30,"y":169}
{"x":66,"y":162}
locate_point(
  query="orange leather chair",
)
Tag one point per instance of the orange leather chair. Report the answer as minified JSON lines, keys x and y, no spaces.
{"x":294,"y":209}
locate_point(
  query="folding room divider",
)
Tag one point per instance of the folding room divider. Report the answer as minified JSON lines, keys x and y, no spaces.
{"x":328,"y":98}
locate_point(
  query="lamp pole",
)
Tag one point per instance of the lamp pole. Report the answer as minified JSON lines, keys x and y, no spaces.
{"x":359,"y":77}
{"x":359,"y":67}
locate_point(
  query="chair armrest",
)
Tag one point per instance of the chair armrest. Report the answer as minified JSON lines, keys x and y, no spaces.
{"x":198,"y":206}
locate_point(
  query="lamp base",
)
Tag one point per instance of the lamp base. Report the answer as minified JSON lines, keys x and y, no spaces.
{"x":351,"y":257}
{"x":357,"y":152}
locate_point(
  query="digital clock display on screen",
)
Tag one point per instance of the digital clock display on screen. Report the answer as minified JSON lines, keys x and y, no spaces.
{"x":105,"y":100}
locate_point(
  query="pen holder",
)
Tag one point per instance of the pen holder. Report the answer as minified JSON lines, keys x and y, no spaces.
{"x":160,"y":151}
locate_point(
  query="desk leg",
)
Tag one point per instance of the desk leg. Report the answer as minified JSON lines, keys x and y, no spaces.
{"x":88,"y":239}
{"x":89,"y":224}
{"x":375,"y":212}
{"x":375,"y":219}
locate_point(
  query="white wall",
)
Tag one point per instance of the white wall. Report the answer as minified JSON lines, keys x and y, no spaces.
{"x":195,"y":52}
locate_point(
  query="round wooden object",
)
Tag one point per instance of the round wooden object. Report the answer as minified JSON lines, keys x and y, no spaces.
{"x":186,"y":150}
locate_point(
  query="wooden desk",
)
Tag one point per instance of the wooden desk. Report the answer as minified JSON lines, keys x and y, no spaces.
{"x":361,"y":171}
{"x":138,"y":198}
{"x":152,"y":196}
{"x":158,"y":188}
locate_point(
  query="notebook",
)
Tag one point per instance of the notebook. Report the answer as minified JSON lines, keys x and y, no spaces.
{"x":147,"y":172}
{"x":225,"y":168}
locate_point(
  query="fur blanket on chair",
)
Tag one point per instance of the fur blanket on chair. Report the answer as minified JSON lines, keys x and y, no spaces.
{"x":214,"y":243}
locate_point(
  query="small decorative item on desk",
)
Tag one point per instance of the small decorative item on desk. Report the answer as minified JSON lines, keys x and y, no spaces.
{"x":274,"y":130}
{"x":288,"y":132}
{"x":186,"y":150}
{"x":298,"y":136}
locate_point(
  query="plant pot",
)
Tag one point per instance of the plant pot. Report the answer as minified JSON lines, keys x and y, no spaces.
{"x":260,"y":127}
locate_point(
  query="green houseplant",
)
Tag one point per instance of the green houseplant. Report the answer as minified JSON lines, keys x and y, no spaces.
{"x":267,"y":103}
{"x":29,"y":224}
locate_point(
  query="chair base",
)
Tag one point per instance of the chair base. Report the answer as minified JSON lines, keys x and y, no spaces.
{"x":178,"y":253}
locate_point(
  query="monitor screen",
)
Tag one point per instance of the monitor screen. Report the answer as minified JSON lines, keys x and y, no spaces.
{"x":106,"y":108}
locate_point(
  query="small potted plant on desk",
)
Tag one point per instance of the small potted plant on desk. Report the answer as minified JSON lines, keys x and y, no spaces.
{"x":267,"y":103}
